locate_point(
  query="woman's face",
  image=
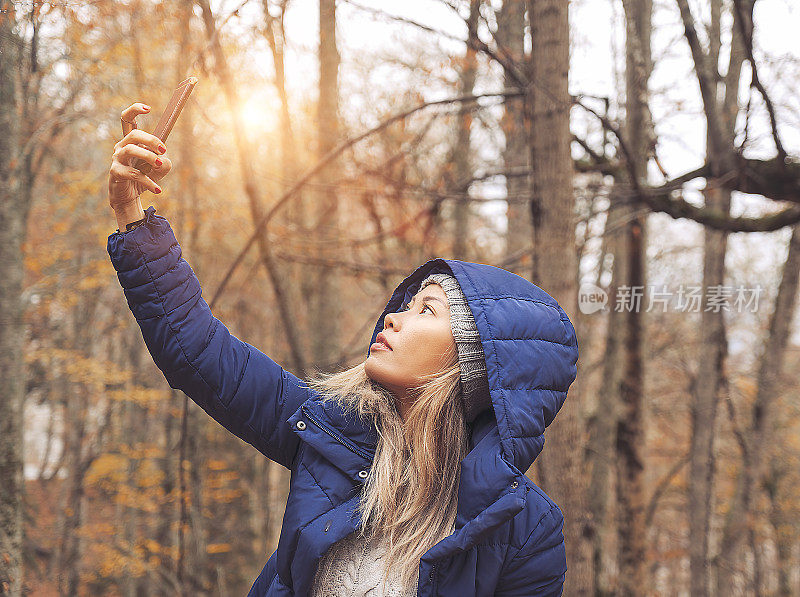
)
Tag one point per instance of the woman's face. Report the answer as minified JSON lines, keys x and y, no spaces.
{"x":419,"y":336}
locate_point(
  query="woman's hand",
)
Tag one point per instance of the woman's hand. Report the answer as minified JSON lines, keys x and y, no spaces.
{"x":126,"y":183}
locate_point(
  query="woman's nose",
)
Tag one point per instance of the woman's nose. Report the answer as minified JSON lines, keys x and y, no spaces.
{"x":389,"y":321}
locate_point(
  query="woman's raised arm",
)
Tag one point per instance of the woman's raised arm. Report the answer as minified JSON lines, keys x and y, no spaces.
{"x":238,"y":385}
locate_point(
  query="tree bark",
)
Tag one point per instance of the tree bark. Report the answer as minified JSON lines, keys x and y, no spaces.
{"x":739,"y":524}
{"x":711,"y":356}
{"x":510,"y":38}
{"x":711,"y":375}
{"x":779,"y":482}
{"x":741,"y":518}
{"x":602,"y":425}
{"x":13,"y":216}
{"x":630,"y":436}
{"x":460,"y":157}
{"x":75,"y":441}
{"x":324,"y":318}
{"x":296,"y":213}
{"x":547,"y":110}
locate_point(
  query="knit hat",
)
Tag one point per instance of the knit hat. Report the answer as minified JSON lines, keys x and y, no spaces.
{"x":474,"y":380}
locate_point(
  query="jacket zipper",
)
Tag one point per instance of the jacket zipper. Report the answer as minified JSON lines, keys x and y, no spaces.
{"x":432,"y":576}
{"x":338,"y":438}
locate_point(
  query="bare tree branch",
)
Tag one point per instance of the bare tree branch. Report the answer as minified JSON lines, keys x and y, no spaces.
{"x":330,"y":156}
{"x":707,"y":77}
{"x":477,"y":44}
{"x":662,"y":487}
{"x":752,"y":180}
{"x":746,"y":26}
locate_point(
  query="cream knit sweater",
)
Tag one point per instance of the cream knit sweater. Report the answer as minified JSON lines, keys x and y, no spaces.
{"x":353,"y":567}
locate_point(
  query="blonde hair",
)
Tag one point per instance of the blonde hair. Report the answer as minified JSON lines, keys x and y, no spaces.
{"x":410,"y":496}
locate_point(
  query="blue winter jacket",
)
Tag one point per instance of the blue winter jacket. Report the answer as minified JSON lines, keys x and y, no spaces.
{"x":508,"y":538}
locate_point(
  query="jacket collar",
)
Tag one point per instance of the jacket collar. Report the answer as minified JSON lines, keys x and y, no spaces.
{"x":487,"y":492}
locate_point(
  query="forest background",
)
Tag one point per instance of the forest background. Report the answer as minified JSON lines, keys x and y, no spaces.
{"x":637,"y":159}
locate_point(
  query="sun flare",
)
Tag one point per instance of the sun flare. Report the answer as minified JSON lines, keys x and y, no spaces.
{"x":258,"y":115}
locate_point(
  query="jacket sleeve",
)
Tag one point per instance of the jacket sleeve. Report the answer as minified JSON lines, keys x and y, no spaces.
{"x":539,"y":567}
{"x":238,"y":385}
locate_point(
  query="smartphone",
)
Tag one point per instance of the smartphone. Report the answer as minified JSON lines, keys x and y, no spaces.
{"x":168,"y":118}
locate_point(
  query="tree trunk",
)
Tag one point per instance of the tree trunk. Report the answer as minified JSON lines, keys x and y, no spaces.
{"x":783,"y":520}
{"x":13,"y":217}
{"x":324,"y":318}
{"x":741,"y":518}
{"x":72,"y":544}
{"x":630,"y":436}
{"x":295,"y":215}
{"x":712,"y":349}
{"x":460,"y":157}
{"x":552,"y":209}
{"x":510,"y":38}
{"x":710,"y":374}
{"x":603,"y":422}
{"x":82,"y":444}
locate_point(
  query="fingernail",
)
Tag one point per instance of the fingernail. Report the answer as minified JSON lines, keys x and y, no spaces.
{"x":162,"y":149}
{"x":158,"y":163}
{"x":147,"y":107}
{"x":158,"y":189}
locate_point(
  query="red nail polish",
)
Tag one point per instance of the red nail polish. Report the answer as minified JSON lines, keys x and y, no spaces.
{"x":158,"y":163}
{"x":158,"y":190}
{"x":162,"y":149}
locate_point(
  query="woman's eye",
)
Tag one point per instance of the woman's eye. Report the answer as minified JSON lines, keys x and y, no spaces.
{"x":406,"y":307}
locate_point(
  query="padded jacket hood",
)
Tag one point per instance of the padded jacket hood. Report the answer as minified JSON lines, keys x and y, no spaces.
{"x":529,"y":343}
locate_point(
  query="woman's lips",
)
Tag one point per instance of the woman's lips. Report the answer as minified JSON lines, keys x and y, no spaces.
{"x":380,"y":343}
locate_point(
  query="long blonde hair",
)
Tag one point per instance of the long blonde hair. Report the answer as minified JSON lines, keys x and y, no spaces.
{"x":410,"y":496}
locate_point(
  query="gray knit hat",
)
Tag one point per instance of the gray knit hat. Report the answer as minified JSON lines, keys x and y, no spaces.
{"x":474,"y":381}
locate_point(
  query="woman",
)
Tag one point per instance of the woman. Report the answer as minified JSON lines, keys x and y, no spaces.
{"x":407,"y":470}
